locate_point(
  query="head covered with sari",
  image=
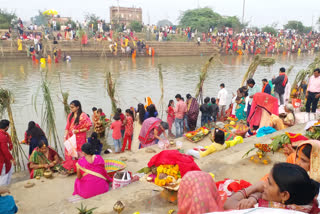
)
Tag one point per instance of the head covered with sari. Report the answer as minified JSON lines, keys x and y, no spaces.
{"x":148,"y":102}
{"x":198,"y":194}
{"x":314,"y":171}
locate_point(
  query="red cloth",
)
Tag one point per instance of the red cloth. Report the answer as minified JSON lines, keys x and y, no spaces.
{"x":262,"y":101}
{"x":236,"y":186}
{"x":122,"y":118}
{"x":294,"y":138}
{"x":172,"y":157}
{"x":5,"y":147}
{"x":285,"y":79}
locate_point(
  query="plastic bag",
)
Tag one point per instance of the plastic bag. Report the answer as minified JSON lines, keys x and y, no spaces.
{"x":121,"y":182}
{"x":163,"y":144}
{"x":71,"y":146}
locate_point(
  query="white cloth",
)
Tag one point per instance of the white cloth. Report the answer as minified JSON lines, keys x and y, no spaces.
{"x":234,"y":106}
{"x":5,"y":179}
{"x":287,"y":92}
{"x":222,"y":96}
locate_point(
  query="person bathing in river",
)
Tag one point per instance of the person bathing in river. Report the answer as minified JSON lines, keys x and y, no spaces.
{"x":151,"y":130}
{"x":44,"y":158}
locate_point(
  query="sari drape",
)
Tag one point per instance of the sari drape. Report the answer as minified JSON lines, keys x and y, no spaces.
{"x":95,"y":178}
{"x":198,"y":194}
{"x":38,"y":157}
{"x":192,"y":113}
{"x":84,"y":123}
{"x":146,"y":136}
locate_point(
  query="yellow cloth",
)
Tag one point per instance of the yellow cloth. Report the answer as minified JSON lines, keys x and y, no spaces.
{"x":19,"y":45}
{"x":212,"y":148}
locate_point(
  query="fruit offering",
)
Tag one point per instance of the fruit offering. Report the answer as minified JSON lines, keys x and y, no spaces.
{"x":198,"y":134}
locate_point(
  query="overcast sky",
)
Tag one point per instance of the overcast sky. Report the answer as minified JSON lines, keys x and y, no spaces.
{"x":258,"y":12}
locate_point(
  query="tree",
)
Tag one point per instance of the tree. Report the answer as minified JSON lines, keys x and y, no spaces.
{"x":6,"y":18}
{"x":40,"y":19}
{"x":164,"y":22}
{"x":295,"y":25}
{"x":269,"y":29}
{"x":201,"y":19}
{"x":92,"y":19}
{"x":205,"y":18}
{"x":136,"y":26}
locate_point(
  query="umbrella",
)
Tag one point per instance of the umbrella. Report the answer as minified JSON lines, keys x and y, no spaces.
{"x":50,"y":12}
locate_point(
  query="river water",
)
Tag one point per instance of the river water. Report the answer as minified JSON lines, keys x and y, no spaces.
{"x":84,"y":79}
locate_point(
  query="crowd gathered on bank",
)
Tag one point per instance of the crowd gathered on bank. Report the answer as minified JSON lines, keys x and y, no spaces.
{"x":291,"y":185}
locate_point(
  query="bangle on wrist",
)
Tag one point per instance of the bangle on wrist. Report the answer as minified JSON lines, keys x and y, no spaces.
{"x":254,"y":197}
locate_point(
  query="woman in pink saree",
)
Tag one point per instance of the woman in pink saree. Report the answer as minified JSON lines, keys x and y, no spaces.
{"x":78,"y":123}
{"x":151,"y":130}
{"x":92,"y":178}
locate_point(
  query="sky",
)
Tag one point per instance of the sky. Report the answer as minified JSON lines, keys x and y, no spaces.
{"x":257,"y":12}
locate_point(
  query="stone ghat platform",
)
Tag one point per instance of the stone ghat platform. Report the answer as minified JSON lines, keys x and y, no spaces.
{"x":9,"y":49}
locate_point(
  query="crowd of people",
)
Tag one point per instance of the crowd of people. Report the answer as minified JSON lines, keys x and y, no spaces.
{"x":141,"y":127}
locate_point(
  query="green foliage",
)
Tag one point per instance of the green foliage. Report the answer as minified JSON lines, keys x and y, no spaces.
{"x":279,"y":141}
{"x":92,"y":19}
{"x":40,"y":19}
{"x":269,"y":29}
{"x":136,"y":26}
{"x":58,"y":26}
{"x":298,"y":26}
{"x":164,"y":22}
{"x":73,"y":24}
{"x":6,"y":18}
{"x":313,"y":133}
{"x":84,"y":210}
{"x":204,"y":18}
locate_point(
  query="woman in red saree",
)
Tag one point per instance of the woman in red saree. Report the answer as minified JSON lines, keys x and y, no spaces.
{"x":78,"y":123}
{"x":151,"y":130}
{"x":170,"y":117}
{"x":192,"y":112}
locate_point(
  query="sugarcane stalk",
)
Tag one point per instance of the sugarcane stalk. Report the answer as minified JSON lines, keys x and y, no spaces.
{"x":161,"y":89}
{"x":111,"y":89}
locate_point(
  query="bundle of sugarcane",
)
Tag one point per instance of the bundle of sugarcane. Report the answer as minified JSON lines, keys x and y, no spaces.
{"x":257,"y":60}
{"x":289,"y":70}
{"x":303,"y":74}
{"x":64,"y":100}
{"x":6,"y":98}
{"x":111,"y":89}
{"x":204,"y":73}
{"x":48,"y":113}
{"x":161,"y":89}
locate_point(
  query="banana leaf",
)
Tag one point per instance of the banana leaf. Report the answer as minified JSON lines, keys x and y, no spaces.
{"x":279,"y":141}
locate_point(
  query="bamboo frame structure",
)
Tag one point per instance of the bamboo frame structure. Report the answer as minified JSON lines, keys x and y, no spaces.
{"x":257,"y":60}
{"x":6,"y":99}
{"x":203,"y":75}
{"x":48,"y":113}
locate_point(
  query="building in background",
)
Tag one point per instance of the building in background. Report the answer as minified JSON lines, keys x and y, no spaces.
{"x":125,"y":15}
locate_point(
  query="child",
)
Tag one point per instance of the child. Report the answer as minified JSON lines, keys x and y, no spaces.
{"x":95,"y":142}
{"x":116,"y":134}
{"x":214,"y":109}
{"x":217,"y":145}
{"x":170,"y":117}
{"x":122,"y":117}
{"x":128,"y":130}
{"x":205,"y":112}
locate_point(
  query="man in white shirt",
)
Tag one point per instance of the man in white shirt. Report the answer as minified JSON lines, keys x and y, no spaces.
{"x":222,"y":99}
